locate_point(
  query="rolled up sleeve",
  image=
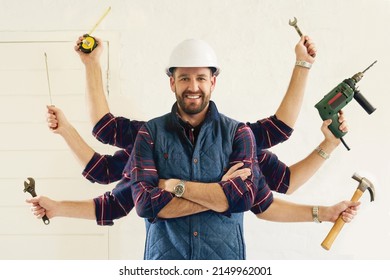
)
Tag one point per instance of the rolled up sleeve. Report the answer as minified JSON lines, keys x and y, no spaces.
{"x":141,"y":170}
{"x":105,"y":169}
{"x":263,"y":197}
{"x":113,"y":205}
{"x":270,"y":131}
{"x":241,"y":193}
{"x":117,"y":131}
{"x":277,"y":173}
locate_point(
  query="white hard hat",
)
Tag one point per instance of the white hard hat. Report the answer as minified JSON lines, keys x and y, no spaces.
{"x":193,"y":53}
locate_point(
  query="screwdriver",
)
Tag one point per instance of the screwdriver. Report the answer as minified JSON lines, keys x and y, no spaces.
{"x":48,"y":83}
{"x":48,"y":79}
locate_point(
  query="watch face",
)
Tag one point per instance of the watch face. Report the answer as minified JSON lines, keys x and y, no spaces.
{"x":179,"y":190}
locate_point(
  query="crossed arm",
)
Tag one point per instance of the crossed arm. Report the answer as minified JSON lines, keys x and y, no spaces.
{"x":151,"y":201}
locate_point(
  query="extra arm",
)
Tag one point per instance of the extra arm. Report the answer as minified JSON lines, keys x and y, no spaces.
{"x":96,"y":101}
{"x":284,"y":179}
{"x":284,"y":211}
{"x":104,"y":209}
{"x":291,"y":104}
{"x":58,"y":124}
{"x":278,"y":128}
{"x":303,"y":170}
{"x":41,"y":205}
{"x":103,"y":169}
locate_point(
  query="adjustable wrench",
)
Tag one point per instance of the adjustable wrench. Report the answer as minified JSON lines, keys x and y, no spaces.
{"x":30,"y":188}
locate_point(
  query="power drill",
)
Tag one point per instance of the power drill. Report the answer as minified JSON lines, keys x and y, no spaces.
{"x":338,"y":98}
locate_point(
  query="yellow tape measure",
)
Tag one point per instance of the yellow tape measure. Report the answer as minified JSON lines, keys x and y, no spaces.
{"x":89,"y":42}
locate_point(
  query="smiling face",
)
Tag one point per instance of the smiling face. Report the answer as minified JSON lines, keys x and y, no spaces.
{"x":193,"y":87}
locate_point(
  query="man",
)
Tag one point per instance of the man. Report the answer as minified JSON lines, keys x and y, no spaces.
{"x":121,"y":132}
{"x":235,"y":192}
{"x":195,"y":144}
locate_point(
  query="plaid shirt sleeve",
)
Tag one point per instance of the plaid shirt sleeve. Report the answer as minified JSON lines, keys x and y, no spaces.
{"x":240,"y":194}
{"x":263,"y":197}
{"x":105,"y":169}
{"x":116,"y":131}
{"x":276,"y":173}
{"x":141,"y":171}
{"x":269,"y":132}
{"x":113,"y":205}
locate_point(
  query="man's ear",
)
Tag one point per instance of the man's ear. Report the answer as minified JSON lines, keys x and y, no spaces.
{"x":213,"y":82}
{"x":172,"y":83}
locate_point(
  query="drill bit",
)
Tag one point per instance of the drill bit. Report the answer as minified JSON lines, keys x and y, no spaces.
{"x":358,"y":76}
{"x":369,"y":66}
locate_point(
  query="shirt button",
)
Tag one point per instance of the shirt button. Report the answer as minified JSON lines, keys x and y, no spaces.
{"x":195,"y":233}
{"x":195,"y":160}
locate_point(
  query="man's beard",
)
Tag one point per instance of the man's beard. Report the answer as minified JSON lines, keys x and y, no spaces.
{"x":192,"y":109}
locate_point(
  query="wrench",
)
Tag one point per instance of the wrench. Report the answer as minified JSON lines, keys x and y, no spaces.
{"x":30,"y":188}
{"x":294,"y":23}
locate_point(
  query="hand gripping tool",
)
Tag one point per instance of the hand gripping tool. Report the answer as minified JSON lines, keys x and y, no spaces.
{"x":30,"y":188}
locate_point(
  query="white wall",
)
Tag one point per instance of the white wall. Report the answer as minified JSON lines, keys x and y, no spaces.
{"x":255,"y":46}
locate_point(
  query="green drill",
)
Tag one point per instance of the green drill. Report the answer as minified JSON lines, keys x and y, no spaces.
{"x":338,"y":98}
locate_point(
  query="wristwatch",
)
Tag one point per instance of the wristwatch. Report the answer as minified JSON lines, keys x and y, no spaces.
{"x":179,"y":189}
{"x":314,"y":212}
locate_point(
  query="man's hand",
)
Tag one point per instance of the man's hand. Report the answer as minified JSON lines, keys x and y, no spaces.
{"x":329,"y":137}
{"x":306,"y":50}
{"x":94,"y":56}
{"x":237,"y":171}
{"x":168,"y":184}
{"x":347,"y":210}
{"x":41,"y":206}
{"x":56,"y":120}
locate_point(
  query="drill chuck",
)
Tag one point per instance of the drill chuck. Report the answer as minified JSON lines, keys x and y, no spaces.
{"x":357,"y":77}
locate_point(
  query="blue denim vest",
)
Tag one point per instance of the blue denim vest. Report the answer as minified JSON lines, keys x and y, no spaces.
{"x":207,"y":235}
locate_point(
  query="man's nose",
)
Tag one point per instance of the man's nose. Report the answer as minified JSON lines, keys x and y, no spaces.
{"x":193,"y":85}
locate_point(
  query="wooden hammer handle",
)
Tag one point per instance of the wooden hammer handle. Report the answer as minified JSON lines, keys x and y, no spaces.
{"x":338,"y":225}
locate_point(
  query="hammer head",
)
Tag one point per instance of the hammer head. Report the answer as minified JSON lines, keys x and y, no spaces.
{"x":365,"y":184}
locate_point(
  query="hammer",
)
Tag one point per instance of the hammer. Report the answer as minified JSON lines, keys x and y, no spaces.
{"x":364,"y":184}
